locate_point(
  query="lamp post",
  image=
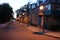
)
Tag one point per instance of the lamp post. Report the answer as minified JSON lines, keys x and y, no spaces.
{"x":42,"y":19}
{"x":41,"y":7}
{"x":23,"y":16}
{"x":28,"y":11}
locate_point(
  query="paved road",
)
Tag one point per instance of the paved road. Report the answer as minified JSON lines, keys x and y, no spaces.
{"x":18,"y":31}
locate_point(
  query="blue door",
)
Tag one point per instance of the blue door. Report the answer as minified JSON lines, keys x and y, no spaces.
{"x":45,"y":25}
{"x":39,"y":21}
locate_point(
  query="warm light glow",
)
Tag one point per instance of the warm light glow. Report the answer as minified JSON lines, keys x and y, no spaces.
{"x":19,"y":15}
{"x":41,"y":14}
{"x":41,"y":7}
{"x":23,"y":13}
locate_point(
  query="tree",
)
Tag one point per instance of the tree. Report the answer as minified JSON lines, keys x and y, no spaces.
{"x":5,"y":13}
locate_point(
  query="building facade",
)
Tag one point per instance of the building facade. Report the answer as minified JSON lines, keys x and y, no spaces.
{"x":49,"y":19}
{"x":52,"y":14}
{"x":34,"y":14}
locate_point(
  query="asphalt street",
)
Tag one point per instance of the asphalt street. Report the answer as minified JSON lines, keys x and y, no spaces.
{"x":18,"y":31}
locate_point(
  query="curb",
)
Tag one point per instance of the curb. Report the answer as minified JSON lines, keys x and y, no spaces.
{"x":52,"y":36}
{"x":3,"y":25}
{"x":44,"y":33}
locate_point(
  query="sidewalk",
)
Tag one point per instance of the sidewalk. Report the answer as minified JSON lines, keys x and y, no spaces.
{"x":3,"y":25}
{"x":47,"y":33}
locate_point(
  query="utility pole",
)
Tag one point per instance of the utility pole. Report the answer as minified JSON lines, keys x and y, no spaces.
{"x":28,"y":11}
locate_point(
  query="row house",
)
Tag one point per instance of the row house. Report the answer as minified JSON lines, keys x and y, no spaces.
{"x":47,"y":18}
{"x":27,"y":14}
{"x":52,"y":14}
{"x":31,"y":16}
{"x":34,"y":12}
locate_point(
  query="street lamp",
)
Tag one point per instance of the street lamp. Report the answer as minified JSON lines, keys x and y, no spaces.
{"x":42,"y":19}
{"x":41,"y":7}
{"x":41,"y":10}
{"x":23,"y":14}
{"x":42,"y":13}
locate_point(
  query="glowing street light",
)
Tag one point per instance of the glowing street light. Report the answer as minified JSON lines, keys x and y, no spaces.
{"x":42,"y":21}
{"x":41,"y":10}
{"x":42,"y":7}
{"x":23,"y":14}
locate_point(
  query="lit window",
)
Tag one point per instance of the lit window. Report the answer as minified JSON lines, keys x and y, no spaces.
{"x":48,"y":6}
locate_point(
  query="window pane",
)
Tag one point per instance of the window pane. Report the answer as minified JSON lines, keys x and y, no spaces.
{"x":44,"y":0}
{"x":48,"y":6}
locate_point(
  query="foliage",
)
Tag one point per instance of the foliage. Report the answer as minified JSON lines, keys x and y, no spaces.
{"x":5,"y":12}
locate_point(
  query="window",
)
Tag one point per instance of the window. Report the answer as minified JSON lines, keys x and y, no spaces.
{"x":43,"y":0}
{"x":37,"y":3}
{"x":32,"y":6}
{"x":48,"y":6}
